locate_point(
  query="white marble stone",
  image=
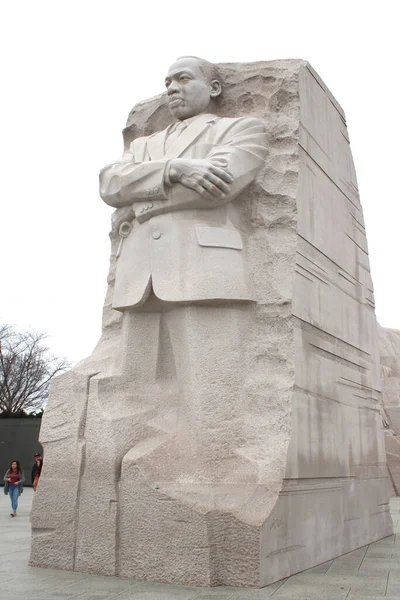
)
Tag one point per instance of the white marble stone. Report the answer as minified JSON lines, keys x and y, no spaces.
{"x":236,"y":441}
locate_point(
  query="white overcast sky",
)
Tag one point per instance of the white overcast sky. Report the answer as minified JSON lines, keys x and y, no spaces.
{"x":72,"y":70}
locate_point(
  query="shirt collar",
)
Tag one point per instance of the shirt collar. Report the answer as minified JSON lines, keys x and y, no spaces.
{"x":208,"y":117}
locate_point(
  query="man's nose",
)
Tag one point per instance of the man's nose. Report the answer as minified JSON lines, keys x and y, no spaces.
{"x":172,"y":88}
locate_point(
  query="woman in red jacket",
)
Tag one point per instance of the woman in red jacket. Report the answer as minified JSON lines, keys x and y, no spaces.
{"x":14,"y":479}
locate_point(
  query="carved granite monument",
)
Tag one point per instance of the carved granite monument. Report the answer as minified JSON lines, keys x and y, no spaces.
{"x":227,"y":428}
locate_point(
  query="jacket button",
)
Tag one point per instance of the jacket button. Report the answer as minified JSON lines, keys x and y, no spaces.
{"x":141,"y":210}
{"x":156,"y":234}
{"x":150,"y":205}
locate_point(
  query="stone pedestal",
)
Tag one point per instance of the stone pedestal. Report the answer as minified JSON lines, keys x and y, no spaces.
{"x":306,"y":479}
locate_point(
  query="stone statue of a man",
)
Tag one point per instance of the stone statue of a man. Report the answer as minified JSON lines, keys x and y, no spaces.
{"x":226,"y":430}
{"x":181,"y":276}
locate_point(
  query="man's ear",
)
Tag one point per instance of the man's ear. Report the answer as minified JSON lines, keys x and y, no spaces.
{"x":215,"y":88}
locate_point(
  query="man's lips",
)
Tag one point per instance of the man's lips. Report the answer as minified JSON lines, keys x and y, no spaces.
{"x":174,"y":101}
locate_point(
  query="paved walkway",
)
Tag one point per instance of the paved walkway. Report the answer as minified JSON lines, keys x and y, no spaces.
{"x":369,"y":573}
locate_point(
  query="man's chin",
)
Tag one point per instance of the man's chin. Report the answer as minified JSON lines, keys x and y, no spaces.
{"x":177,"y":113}
{"x":181,"y":113}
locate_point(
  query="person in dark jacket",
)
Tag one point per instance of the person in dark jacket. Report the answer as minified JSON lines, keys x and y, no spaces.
{"x":14,"y":479}
{"x":36,"y":471}
{"x":37,"y":456}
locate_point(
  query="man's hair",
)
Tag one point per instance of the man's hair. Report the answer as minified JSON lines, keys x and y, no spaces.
{"x":209,"y":70}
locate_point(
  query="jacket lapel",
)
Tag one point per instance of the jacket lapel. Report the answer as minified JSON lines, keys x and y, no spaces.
{"x":189,"y":135}
{"x":156,"y":144}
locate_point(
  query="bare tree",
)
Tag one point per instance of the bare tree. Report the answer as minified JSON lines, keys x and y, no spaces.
{"x":26,"y":369}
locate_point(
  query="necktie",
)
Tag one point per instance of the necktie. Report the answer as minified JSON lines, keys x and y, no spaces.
{"x":174,"y":134}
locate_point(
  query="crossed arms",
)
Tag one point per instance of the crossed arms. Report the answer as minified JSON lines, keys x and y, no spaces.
{"x":182,"y":183}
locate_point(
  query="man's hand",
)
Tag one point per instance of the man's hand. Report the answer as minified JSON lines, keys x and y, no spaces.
{"x":125,"y":213}
{"x":210,"y":178}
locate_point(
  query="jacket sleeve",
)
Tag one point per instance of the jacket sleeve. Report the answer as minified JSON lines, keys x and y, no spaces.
{"x":126,"y":181}
{"x":243,"y":147}
{"x":21,"y":477}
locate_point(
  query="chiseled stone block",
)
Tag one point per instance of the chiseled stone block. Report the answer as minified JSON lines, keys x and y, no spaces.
{"x":226,"y":443}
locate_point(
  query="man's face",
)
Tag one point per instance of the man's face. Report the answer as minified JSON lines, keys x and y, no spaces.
{"x":188,"y":92}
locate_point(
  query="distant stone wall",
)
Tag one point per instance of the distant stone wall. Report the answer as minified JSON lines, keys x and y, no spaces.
{"x":19,"y":441}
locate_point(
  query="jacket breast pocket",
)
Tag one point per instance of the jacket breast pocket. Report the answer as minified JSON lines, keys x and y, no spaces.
{"x":219,"y":237}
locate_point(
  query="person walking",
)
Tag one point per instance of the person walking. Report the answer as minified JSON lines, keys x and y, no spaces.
{"x":14,"y":479}
{"x":36,"y":471}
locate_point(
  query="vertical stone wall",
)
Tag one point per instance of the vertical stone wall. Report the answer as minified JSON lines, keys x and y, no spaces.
{"x":335,"y":494}
{"x":389,"y":343}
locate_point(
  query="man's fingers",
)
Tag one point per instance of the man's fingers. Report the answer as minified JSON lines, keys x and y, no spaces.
{"x":206,"y":188}
{"x":221,"y":173}
{"x":204,"y":192}
{"x":214,"y":189}
{"x":217,"y":182}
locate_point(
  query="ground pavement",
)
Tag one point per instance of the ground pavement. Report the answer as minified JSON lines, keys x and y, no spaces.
{"x":369,"y":573}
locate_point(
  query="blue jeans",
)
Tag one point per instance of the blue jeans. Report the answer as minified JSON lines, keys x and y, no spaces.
{"x":13,"y":490}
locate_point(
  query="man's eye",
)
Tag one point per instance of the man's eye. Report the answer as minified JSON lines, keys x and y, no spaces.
{"x":184,"y":77}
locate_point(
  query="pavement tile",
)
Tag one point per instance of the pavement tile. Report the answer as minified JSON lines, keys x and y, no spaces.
{"x":6,"y":550}
{"x":223,"y":592}
{"x":394,"y":576}
{"x":15,"y":566}
{"x":312,"y":586}
{"x":393,"y":589}
{"x":157,"y":592}
{"x":37,"y":590}
{"x":357,"y":596}
{"x":28,"y":596}
{"x":98,"y":583}
{"x":142,"y":595}
{"x":387,"y":551}
{"x":343,"y":569}
{"x":61,"y":577}
{"x":35,"y":584}
{"x":322,"y":568}
{"x":381,"y":563}
{"x":374,"y":584}
{"x":309,"y":592}
{"x":257,"y":594}
{"x":210,"y":596}
{"x":96,"y":595}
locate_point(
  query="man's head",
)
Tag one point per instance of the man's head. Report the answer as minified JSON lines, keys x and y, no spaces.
{"x":192,"y":83}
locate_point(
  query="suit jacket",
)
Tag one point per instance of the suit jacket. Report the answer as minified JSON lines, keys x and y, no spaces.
{"x":187,"y":247}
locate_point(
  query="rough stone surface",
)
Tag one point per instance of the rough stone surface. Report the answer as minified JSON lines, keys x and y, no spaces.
{"x":389,"y":344}
{"x":309,"y":478}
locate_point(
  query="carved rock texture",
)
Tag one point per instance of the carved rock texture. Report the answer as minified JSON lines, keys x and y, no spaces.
{"x":313,"y":484}
{"x":389,"y":343}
